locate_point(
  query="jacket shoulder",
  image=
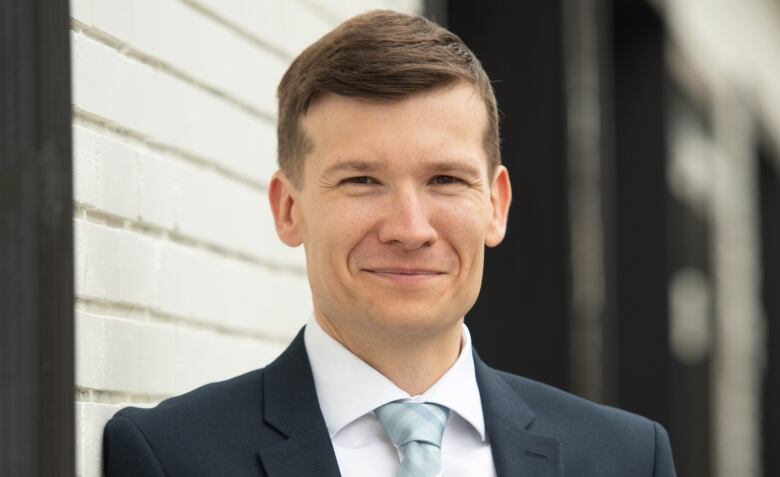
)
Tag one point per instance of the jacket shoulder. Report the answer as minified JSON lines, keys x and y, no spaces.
{"x":215,"y":428}
{"x":550,"y":404}
{"x":608,"y":440}
{"x":214,"y":401}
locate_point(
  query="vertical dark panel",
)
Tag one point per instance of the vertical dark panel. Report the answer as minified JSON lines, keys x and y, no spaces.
{"x":36,"y":245}
{"x":690,"y":402}
{"x":520,"y":320}
{"x":640,"y":199}
{"x":436,"y":10}
{"x":589,"y":162}
{"x":769,"y":180}
{"x":689,"y":232}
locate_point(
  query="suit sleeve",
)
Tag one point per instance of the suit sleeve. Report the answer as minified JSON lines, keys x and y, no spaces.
{"x":664,"y":464}
{"x":126,"y":452}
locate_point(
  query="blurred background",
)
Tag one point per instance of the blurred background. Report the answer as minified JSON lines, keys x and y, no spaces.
{"x":641,"y":267}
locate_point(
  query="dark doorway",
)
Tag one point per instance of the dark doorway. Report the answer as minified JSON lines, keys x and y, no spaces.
{"x":769,"y":181}
{"x":520,"y":322}
{"x":690,"y":283}
{"x":640,"y":255}
{"x":36,"y":241}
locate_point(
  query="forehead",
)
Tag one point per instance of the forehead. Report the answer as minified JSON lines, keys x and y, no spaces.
{"x":446,"y":123}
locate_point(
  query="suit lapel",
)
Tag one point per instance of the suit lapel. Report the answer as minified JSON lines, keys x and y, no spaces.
{"x":292,"y":408}
{"x":517,"y":452}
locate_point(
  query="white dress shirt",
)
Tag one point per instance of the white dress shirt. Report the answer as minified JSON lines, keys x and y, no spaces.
{"x":349,"y":390}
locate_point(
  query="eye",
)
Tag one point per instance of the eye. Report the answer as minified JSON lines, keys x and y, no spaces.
{"x":360,"y":180}
{"x":442,"y":180}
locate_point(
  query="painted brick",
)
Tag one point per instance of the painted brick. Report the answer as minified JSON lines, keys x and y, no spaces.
{"x":125,"y":266}
{"x":159,"y":190}
{"x":288,"y":305}
{"x":91,"y":418}
{"x":81,"y":10}
{"x":198,"y":360}
{"x":115,"y":176}
{"x":219,"y":210}
{"x":80,"y":250}
{"x":207,"y":51}
{"x":290,"y":26}
{"x":138,"y":268}
{"x":209,"y":207}
{"x":168,"y":110}
{"x":252,"y":354}
{"x":158,"y":363}
{"x":98,"y":84}
{"x":277,"y":304}
{"x":148,"y":355}
{"x":412,"y":7}
{"x":122,"y":362}
{"x":195,"y":285}
{"x":348,"y":8}
{"x":183,"y":289}
{"x":201,"y":214}
{"x":96,"y":267}
{"x":84,"y":153}
{"x":266,"y":162}
{"x":114,"y":17}
{"x":243,"y":355}
{"x":90,"y":351}
{"x":232,"y":294}
{"x":161,"y":359}
{"x":205,"y":356}
{"x":115,"y":264}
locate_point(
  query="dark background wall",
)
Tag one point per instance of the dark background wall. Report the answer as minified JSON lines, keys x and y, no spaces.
{"x":522,"y":321}
{"x":769,"y":197}
{"x":36,"y":241}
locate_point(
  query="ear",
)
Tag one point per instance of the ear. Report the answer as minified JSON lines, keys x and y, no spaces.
{"x":281,"y":195}
{"x":500,"y":199}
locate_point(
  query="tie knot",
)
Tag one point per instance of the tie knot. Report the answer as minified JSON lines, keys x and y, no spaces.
{"x":406,"y":422}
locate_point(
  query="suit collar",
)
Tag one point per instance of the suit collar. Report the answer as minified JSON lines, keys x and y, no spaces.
{"x":291,"y":407}
{"x":358,"y":389}
{"x":517,"y":451}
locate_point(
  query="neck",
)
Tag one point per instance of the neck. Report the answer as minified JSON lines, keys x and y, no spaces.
{"x":412,"y":361}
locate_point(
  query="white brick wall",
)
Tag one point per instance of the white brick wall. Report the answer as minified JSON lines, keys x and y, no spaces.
{"x":180,"y":279}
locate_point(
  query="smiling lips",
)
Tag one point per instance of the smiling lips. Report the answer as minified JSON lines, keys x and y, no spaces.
{"x":404,"y":275}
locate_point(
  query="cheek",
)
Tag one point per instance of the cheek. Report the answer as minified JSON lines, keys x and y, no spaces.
{"x":465,"y":223}
{"x":463,"y":226}
{"x":334,"y":231}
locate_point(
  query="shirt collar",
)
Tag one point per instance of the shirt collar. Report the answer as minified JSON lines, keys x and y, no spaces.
{"x":348,"y":388}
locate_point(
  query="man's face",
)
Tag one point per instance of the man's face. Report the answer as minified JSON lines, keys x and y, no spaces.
{"x":395,"y":209}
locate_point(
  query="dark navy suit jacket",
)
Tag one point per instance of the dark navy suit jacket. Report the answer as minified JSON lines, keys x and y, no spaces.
{"x":268,"y":423}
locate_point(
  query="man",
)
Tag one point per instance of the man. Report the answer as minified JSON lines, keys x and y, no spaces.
{"x":390,"y":178}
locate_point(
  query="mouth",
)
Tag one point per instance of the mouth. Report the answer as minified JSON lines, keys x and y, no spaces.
{"x":402,"y":275}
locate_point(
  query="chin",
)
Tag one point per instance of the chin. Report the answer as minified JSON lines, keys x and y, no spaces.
{"x":414,"y":321}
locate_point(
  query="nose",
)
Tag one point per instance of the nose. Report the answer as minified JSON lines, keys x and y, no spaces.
{"x":406,"y":222}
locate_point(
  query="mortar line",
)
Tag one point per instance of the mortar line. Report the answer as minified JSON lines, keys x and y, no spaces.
{"x":238,"y":30}
{"x":98,"y":123}
{"x":149,"y":314}
{"x":323,"y":12}
{"x":122,"y":48}
{"x":104,"y":396}
{"x":107,"y":219}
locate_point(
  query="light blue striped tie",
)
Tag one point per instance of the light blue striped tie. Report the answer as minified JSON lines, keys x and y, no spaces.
{"x":416,"y":428}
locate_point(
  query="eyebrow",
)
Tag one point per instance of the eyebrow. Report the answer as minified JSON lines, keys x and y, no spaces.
{"x":353,"y":166}
{"x":454,"y":166}
{"x":436,"y":167}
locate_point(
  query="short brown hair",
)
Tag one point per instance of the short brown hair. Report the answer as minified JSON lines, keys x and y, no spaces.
{"x":377,"y":55}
